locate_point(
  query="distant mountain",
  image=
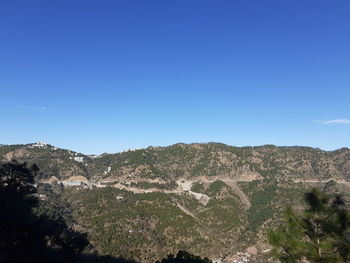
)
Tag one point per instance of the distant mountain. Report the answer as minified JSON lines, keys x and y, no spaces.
{"x":52,"y":161}
{"x":187,"y":161}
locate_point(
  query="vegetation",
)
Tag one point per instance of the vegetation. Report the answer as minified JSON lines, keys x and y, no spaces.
{"x":148,"y":226}
{"x":191,"y":160}
{"x":269,"y":199}
{"x":184,"y":257}
{"x":24,"y":235}
{"x":138,"y":226}
{"x":215,"y":188}
{"x":198,"y":187}
{"x":145,"y":227}
{"x":320,"y":234}
{"x":147,"y":185}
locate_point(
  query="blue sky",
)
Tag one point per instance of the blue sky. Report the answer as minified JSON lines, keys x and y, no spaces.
{"x":103,"y":76}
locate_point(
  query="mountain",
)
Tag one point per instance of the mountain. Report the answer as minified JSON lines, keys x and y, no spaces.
{"x":210,"y":199}
{"x":188,"y":161}
{"x":52,"y":161}
{"x":214,"y":159}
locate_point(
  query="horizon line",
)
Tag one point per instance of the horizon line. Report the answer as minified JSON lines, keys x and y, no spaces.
{"x":170,"y":145}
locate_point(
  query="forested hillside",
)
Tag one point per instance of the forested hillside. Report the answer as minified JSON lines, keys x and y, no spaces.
{"x":190,"y":160}
{"x":209,"y":199}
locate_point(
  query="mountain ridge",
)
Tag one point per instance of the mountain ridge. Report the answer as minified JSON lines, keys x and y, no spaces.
{"x":187,"y":160}
{"x":175,"y":144}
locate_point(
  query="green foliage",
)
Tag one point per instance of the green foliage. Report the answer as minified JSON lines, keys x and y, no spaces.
{"x":215,"y":188}
{"x":51,"y":161}
{"x":261,"y":198}
{"x":138,"y":226}
{"x":319,"y":234}
{"x":197,"y":187}
{"x":25,"y":235}
{"x":148,"y":185}
{"x":147,"y":226}
{"x":209,"y":159}
{"x":269,"y":198}
{"x":160,"y":223}
{"x":224,"y":214}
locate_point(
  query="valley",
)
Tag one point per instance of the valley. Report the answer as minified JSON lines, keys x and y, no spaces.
{"x":210,"y":199}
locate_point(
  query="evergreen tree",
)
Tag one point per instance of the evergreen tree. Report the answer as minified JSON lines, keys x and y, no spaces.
{"x":320,"y":234}
{"x":24,"y":235}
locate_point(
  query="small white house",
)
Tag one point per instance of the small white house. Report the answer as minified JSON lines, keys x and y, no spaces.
{"x":39,"y":145}
{"x":79,"y":159}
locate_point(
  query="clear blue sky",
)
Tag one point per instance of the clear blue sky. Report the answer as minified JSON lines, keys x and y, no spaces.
{"x":103,"y":76}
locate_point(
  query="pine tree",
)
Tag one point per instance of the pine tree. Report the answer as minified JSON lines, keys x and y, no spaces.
{"x":24,"y":235}
{"x":320,"y":234}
